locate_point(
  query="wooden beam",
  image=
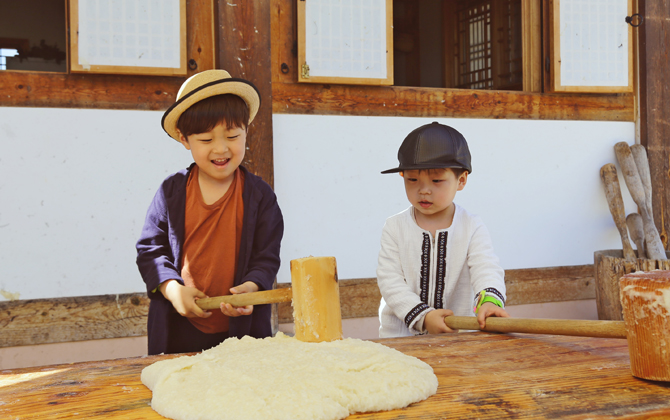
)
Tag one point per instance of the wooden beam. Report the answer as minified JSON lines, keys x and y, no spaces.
{"x":655,"y":105}
{"x":293,"y":98}
{"x":244,"y":51}
{"x":59,"y":90}
{"x":550,"y":284}
{"x":42,"y":321}
{"x":360,"y":297}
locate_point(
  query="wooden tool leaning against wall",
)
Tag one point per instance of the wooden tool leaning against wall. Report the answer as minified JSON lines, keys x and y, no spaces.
{"x":636,"y":174}
{"x":645,"y":298}
{"x":636,"y":230}
{"x":615,"y":203}
{"x":315,"y":297}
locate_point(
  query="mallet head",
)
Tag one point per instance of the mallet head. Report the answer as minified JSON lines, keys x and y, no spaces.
{"x":316,"y":299}
{"x":645,"y":299}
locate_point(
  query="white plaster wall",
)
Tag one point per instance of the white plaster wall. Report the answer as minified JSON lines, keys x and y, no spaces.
{"x":536,"y":185}
{"x":75,"y":185}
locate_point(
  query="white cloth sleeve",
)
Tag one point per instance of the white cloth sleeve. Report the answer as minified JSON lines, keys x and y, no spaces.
{"x":485,"y":269}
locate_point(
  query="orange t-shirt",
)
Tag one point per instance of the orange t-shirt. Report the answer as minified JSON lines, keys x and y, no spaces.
{"x":211,"y":245}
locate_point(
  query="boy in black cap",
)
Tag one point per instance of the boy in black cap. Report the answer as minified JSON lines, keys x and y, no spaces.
{"x":436,"y":259}
{"x":212,"y":229}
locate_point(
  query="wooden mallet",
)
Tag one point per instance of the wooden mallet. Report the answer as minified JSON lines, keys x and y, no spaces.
{"x":645,"y":298}
{"x":315,"y":297}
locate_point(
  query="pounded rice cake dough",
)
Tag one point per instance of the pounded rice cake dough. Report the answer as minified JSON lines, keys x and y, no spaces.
{"x":284,"y":378}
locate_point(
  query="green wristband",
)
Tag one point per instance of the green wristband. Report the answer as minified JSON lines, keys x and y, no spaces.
{"x":488,"y":298}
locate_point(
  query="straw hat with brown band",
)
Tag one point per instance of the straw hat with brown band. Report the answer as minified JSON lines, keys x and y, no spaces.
{"x":204,"y":85}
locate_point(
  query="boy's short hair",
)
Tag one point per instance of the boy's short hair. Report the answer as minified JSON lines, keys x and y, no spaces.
{"x":203,"y":116}
{"x":433,"y":146}
{"x":457,"y":171}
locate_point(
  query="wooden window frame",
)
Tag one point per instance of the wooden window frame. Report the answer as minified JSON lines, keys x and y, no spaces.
{"x":77,"y":67}
{"x":305,"y":77}
{"x":291,"y":97}
{"x":555,"y":54}
{"x":114,"y":91}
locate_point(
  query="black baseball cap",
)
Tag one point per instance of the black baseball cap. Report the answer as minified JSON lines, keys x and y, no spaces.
{"x":433,"y":146}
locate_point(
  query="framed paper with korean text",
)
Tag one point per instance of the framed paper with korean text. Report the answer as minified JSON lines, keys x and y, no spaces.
{"x":128,"y":36}
{"x":592,"y":46}
{"x":345,"y":41}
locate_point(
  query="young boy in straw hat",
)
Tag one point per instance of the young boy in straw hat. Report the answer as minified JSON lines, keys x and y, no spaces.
{"x":436,"y":259}
{"x":213,"y":228}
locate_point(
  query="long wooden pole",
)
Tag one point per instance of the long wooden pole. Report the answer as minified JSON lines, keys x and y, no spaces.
{"x":581,"y":328}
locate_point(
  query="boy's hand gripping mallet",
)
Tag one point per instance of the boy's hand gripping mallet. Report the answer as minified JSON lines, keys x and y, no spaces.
{"x":315,"y":295}
{"x":645,"y":298}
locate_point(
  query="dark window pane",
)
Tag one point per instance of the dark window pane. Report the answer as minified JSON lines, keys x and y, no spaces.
{"x":469,"y":44}
{"x":36,"y":30}
{"x":418,"y":56}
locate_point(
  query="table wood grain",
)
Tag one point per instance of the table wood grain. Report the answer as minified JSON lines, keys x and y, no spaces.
{"x":481,"y":375}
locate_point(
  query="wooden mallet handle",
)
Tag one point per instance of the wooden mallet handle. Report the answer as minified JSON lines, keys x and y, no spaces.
{"x":244,"y":299}
{"x":581,"y":328}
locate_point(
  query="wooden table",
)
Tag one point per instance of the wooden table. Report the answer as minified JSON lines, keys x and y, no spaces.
{"x":485,"y":376}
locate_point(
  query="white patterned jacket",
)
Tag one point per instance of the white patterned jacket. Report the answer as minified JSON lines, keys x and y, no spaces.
{"x":417,"y":274}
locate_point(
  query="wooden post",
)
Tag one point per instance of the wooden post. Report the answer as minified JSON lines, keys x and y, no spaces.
{"x":244,"y":35}
{"x":654,"y":110}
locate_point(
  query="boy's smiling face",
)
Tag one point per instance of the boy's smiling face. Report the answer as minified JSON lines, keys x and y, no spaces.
{"x":431,"y":192}
{"x":218,"y":153}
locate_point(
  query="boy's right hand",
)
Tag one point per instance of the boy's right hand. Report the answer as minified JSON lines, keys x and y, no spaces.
{"x":434,"y":321}
{"x":183,"y":299}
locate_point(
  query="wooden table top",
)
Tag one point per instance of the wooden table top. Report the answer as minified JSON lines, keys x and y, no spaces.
{"x":481,"y":375}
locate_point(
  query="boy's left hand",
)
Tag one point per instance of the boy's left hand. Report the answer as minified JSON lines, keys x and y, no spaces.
{"x":230,"y":310}
{"x":489,"y":309}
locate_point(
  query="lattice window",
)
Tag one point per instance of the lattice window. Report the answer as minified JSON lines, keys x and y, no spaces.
{"x":488,"y":44}
{"x":474,"y":46}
